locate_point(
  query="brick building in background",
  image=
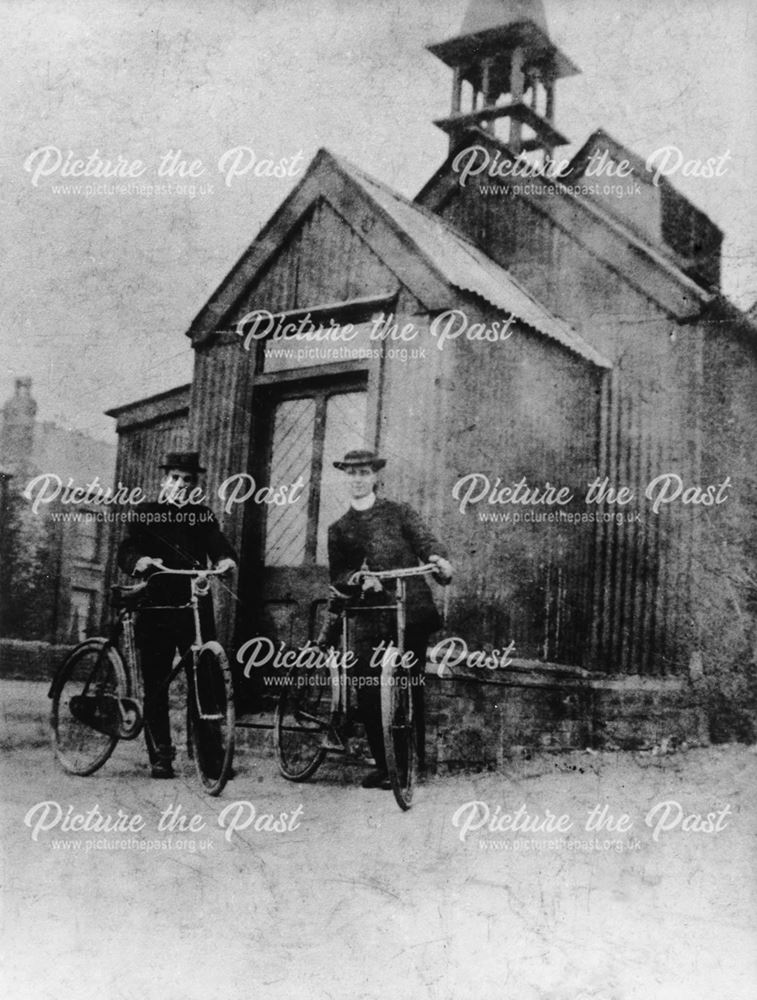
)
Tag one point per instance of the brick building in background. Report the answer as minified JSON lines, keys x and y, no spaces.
{"x":624,"y":361}
{"x":53,"y":570}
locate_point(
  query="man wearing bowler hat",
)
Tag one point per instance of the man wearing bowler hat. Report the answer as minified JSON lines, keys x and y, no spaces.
{"x":173,"y":533}
{"x":380,"y":534}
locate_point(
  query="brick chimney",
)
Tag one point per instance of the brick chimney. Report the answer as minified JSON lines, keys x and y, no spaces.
{"x":17,"y":433}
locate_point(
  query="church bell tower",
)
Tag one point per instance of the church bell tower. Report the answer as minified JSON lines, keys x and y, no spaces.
{"x":504,"y":71}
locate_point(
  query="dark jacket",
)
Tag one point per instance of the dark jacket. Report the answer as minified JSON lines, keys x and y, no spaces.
{"x":387,"y":536}
{"x":182,"y":537}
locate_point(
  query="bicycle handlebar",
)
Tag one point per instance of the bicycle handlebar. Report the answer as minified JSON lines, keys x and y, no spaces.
{"x":199,"y":573}
{"x":394,"y":574}
{"x":200,"y":584}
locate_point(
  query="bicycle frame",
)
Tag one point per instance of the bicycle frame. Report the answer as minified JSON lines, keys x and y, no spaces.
{"x":400,"y":604}
{"x":128,"y":647}
{"x":339,"y":699}
{"x":123,"y":638}
{"x":199,"y":587}
{"x":398,"y":719}
{"x":114,"y":708}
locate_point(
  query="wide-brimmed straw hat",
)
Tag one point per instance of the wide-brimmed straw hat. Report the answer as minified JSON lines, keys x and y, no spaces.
{"x":361,"y":457}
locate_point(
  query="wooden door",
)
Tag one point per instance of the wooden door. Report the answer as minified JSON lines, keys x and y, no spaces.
{"x":301,"y":429}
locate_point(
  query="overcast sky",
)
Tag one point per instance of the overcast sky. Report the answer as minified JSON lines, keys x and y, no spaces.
{"x":99,"y":290}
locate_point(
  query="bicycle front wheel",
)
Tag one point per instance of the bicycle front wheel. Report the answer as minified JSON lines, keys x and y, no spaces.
{"x":302,"y":721}
{"x":399,"y":727}
{"x":85,"y":715}
{"x":211,"y":717}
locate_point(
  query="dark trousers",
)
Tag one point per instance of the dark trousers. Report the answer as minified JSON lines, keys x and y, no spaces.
{"x":159,"y":634}
{"x":365,"y":636}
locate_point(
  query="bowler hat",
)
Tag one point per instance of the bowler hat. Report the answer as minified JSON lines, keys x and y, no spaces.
{"x":187,"y":461}
{"x":361,"y":457}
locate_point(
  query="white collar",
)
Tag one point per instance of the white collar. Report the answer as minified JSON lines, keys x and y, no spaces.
{"x":364,"y":503}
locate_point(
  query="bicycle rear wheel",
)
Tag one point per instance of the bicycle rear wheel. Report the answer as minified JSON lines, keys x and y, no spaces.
{"x":302,"y":720}
{"x":211,"y":716}
{"x":399,"y":726}
{"x":85,"y":706}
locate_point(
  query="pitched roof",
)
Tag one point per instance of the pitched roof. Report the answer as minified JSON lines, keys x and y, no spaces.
{"x":141,"y":411}
{"x":466,"y":267}
{"x":445,"y":254}
{"x":560,"y":207}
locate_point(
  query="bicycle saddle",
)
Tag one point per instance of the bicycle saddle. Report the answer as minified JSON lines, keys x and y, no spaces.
{"x":128,"y":597}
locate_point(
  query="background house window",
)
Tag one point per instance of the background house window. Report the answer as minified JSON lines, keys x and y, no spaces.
{"x":86,"y":537}
{"x":82,"y":613}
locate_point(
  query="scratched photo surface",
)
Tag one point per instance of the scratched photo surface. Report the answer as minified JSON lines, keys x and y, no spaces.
{"x":313,"y":293}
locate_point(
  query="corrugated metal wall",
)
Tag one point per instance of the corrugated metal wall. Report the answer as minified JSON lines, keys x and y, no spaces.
{"x":325,"y":260}
{"x":643,"y":567}
{"x":642,"y":575}
{"x":141,"y":449}
{"x":219,"y":428}
{"x":522,"y":409}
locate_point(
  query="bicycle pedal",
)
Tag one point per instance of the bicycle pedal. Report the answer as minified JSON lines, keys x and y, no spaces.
{"x":333,"y":743}
{"x":131,"y":718}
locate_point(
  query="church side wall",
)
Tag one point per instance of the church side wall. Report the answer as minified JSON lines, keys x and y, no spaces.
{"x":724,"y":607}
{"x":642,"y":592}
{"x":523,"y":408}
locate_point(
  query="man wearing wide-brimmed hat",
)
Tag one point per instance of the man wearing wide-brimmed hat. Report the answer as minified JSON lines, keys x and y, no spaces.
{"x":173,"y":533}
{"x":380,"y":535}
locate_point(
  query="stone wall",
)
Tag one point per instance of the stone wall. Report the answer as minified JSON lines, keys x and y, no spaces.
{"x":481,"y":721}
{"x":472,"y":722}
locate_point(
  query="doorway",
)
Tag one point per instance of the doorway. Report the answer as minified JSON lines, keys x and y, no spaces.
{"x":300,"y":429}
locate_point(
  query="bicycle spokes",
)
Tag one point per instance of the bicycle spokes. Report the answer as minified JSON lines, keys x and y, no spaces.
{"x":399,"y":730}
{"x":85,"y":715}
{"x":211,"y":716}
{"x":209,"y":686}
{"x":303,"y":723}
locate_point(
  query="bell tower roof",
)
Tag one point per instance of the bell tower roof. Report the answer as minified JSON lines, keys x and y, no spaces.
{"x":482,"y":15}
{"x":504,"y":50}
{"x":494,"y":26}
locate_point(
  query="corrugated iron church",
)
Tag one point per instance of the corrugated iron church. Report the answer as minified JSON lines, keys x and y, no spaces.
{"x":499,"y":329}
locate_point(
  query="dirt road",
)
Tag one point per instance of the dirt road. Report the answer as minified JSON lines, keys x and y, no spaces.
{"x":352,"y":898}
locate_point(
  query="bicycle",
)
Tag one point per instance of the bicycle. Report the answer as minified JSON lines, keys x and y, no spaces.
{"x":314,"y":714}
{"x":98,"y":693}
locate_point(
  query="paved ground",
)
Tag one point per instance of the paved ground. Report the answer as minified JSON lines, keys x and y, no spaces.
{"x":356,"y":900}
